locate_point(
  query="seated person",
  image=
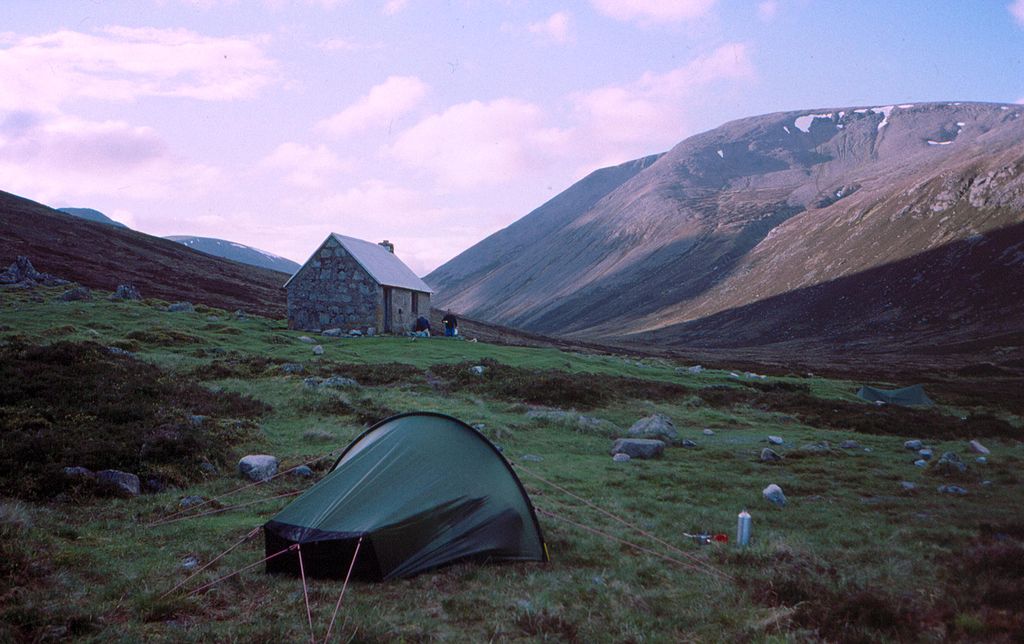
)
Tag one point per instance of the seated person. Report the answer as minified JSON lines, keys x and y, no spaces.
{"x":421,"y":327}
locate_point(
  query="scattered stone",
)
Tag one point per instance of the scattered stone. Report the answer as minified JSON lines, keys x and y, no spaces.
{"x":318,"y":350}
{"x":355,"y":333}
{"x":978,"y":448}
{"x":849,"y":444}
{"x":208,"y":468}
{"x":925,"y":453}
{"x":532,"y":458}
{"x":292,"y":367}
{"x":478,"y":370}
{"x":306,"y":339}
{"x":479,"y":426}
{"x":951,"y":489}
{"x":189,"y":501}
{"x":339,"y":382}
{"x":213,"y":318}
{"x":240,"y":315}
{"x":768,"y":455}
{"x":951,"y":461}
{"x":921,"y":462}
{"x":621,"y":457}
{"x":190,"y":562}
{"x":78,"y":471}
{"x":118,"y":351}
{"x":638,"y":447}
{"x":695,"y":369}
{"x":656,"y":425}
{"x":908,"y":486}
{"x":986,"y":483}
{"x":913,"y":445}
{"x":688,"y":443}
{"x":820,"y":447}
{"x":77,"y":294}
{"x":181,"y":307}
{"x":708,"y":431}
{"x":126,"y":292}
{"x":868,"y":449}
{"x":120,"y":482}
{"x":330,"y":333}
{"x":22,"y":274}
{"x":258,"y":467}
{"x":776,"y":440}
{"x":773,"y":494}
{"x":580,"y":422}
{"x":302,"y":472}
{"x":982,"y":460}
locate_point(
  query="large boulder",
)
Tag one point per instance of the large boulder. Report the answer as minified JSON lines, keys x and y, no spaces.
{"x":774,"y":495}
{"x":126,"y":292}
{"x":77,"y":294}
{"x":768,"y":455}
{"x":656,"y":425}
{"x":120,"y":482}
{"x":258,"y":467}
{"x":181,"y":307}
{"x":976,"y":447}
{"x":638,"y":447}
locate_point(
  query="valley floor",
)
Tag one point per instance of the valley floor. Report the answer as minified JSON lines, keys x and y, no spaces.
{"x":868,"y":547}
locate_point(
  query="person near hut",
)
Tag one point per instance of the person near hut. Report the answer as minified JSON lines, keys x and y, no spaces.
{"x":421,"y":327}
{"x":451,"y":324}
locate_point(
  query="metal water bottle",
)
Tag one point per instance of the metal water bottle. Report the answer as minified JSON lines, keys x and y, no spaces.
{"x":743,"y":529}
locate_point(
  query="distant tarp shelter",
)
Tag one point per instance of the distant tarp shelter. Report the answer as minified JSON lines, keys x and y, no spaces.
{"x":422,"y":490}
{"x":912,"y":396}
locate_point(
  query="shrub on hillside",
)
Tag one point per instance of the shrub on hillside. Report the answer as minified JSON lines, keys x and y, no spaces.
{"x":76,"y":404}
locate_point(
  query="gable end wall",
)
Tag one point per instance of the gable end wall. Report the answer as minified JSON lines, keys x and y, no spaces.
{"x":333,"y":291}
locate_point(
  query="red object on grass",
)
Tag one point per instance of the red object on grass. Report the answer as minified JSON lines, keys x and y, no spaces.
{"x":720,"y":538}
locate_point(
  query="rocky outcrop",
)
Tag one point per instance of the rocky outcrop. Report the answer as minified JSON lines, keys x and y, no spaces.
{"x":21,"y":274}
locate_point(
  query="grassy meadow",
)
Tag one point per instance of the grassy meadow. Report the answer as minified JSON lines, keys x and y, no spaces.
{"x":853,"y":556}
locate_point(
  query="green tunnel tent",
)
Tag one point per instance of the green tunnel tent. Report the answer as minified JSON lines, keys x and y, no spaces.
{"x":422,"y":490}
{"x":912,"y":396}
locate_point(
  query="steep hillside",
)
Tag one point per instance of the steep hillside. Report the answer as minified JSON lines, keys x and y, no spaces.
{"x":769,"y":206}
{"x":102,"y":256}
{"x":237,"y":253}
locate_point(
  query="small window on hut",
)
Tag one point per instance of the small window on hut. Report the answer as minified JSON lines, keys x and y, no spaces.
{"x":415,"y":304}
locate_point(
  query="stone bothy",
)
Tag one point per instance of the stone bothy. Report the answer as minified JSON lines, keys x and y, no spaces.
{"x":353,"y":284}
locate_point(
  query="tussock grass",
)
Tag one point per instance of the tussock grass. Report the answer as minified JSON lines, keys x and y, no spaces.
{"x":852,"y":557}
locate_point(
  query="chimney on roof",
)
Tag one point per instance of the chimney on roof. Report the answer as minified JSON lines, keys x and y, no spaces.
{"x":389,"y":246}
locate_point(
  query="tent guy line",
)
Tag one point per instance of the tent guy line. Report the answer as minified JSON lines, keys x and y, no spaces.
{"x":619,"y":519}
{"x":193,"y":508}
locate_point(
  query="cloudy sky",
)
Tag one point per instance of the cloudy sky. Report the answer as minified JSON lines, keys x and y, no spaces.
{"x":433,"y":123}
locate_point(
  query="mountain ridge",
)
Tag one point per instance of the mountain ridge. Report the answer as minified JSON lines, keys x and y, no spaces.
{"x":237,"y":252}
{"x":754,"y":209}
{"x":101,"y":256}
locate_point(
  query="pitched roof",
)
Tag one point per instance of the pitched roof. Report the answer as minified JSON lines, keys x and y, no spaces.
{"x":382,"y":265}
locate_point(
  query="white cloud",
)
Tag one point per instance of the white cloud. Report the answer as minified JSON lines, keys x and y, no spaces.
{"x":51,"y":157}
{"x":123,"y":64}
{"x":653,"y":11}
{"x":392,"y":7}
{"x":1017,"y":11}
{"x":622,"y":122}
{"x":379,"y":108}
{"x":305,"y":166}
{"x":475,"y":143}
{"x":557,"y":27}
{"x":767,"y":10}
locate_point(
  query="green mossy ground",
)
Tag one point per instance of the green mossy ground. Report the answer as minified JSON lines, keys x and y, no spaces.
{"x":852,"y":557}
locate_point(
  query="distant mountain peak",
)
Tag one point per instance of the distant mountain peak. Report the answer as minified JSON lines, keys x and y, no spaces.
{"x":237,"y":252}
{"x":91,"y":215}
